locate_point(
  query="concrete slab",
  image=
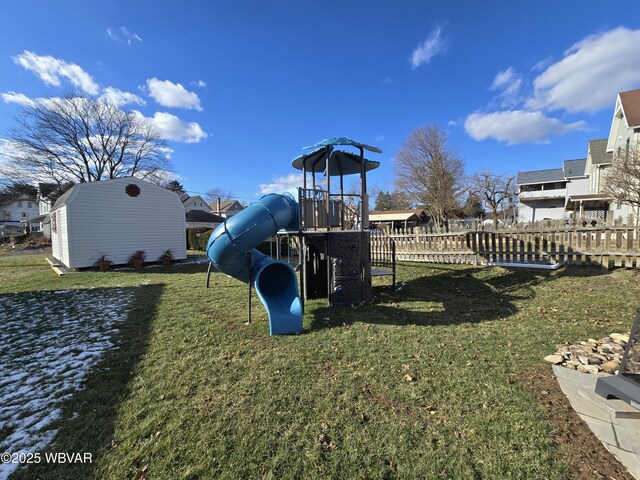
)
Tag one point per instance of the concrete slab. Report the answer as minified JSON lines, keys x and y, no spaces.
{"x":615,"y":423}
{"x":628,"y":437}
{"x":628,"y":459}
{"x":615,"y":408}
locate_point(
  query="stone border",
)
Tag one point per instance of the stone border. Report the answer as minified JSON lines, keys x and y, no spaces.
{"x":597,"y":357}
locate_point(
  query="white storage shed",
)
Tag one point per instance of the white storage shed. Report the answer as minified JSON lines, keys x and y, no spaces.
{"x":116,"y":218}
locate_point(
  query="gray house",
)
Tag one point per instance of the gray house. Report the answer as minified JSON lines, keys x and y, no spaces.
{"x":542,"y":194}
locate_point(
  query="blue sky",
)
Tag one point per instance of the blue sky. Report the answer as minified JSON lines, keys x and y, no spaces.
{"x":239,"y":87}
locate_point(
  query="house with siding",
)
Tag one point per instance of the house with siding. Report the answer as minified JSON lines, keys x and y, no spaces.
{"x":227,"y":208}
{"x":581,"y":182}
{"x":47,"y":195}
{"x":195,"y":203}
{"x":15,"y":216}
{"x":542,"y":194}
{"x":116,"y":218}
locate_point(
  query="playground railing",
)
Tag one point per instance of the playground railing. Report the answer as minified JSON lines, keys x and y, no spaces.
{"x":321,"y":210}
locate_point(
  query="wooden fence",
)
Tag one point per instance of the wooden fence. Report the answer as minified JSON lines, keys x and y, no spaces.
{"x":606,"y":246}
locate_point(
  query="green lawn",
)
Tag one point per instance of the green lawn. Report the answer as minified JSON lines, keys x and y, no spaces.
{"x":427,"y":382}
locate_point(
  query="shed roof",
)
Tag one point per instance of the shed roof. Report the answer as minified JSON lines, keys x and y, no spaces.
{"x":631,"y":106}
{"x":574,"y":168}
{"x":541,"y":176}
{"x":62,"y":199}
{"x":395,"y":215}
{"x":598,"y":150}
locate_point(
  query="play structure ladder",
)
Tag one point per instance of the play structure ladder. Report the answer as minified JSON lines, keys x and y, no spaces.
{"x":383,"y":255}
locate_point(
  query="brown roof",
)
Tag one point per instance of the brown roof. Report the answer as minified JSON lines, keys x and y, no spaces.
{"x":631,"y":105}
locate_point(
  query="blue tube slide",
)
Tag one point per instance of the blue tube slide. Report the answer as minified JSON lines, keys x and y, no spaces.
{"x":231,"y":248}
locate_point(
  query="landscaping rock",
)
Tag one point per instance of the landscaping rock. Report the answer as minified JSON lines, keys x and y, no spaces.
{"x":555,"y":359}
{"x":592,"y":369}
{"x":583,"y":359}
{"x":595,"y":357}
{"x":611,"y":366}
{"x":620,"y":338}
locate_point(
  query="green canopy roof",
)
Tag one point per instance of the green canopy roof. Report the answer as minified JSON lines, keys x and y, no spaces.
{"x":340,"y":162}
{"x":328,"y":142}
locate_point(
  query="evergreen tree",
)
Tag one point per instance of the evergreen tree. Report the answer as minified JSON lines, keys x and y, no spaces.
{"x":175,"y":186}
{"x":473,"y":206}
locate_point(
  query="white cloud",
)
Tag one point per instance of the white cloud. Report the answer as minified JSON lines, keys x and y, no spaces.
{"x":516,"y":126}
{"x":118,"y":97}
{"x":123,"y":35}
{"x":542,"y":64}
{"x":591,"y":74}
{"x":169,"y":94}
{"x":199,"y":83}
{"x":50,"y":69}
{"x":280,"y":183}
{"x":167,"y":152}
{"x":513,"y":88}
{"x":509,"y":83}
{"x":425,"y":51}
{"x":19,"y":98}
{"x":171,"y":127}
{"x":503,"y":78}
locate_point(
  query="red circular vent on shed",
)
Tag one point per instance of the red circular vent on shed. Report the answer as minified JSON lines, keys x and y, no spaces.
{"x":132,"y":190}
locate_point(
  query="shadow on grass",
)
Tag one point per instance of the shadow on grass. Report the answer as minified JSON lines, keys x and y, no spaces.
{"x":182,"y":269}
{"x":447,"y":296}
{"x":89,"y":417}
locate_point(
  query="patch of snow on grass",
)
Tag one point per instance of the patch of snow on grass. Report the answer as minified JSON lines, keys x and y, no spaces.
{"x":49,"y":341}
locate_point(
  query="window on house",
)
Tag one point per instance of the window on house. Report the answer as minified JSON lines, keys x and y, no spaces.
{"x":28,"y":204}
{"x":20,"y":204}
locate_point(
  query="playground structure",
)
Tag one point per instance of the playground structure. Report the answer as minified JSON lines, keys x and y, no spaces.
{"x":328,"y":231}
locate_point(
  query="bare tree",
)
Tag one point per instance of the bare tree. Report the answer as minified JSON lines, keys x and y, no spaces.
{"x":495,"y":191}
{"x":213,"y":194}
{"x":81,"y":139}
{"x":622,"y":181}
{"x":431,"y":173}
